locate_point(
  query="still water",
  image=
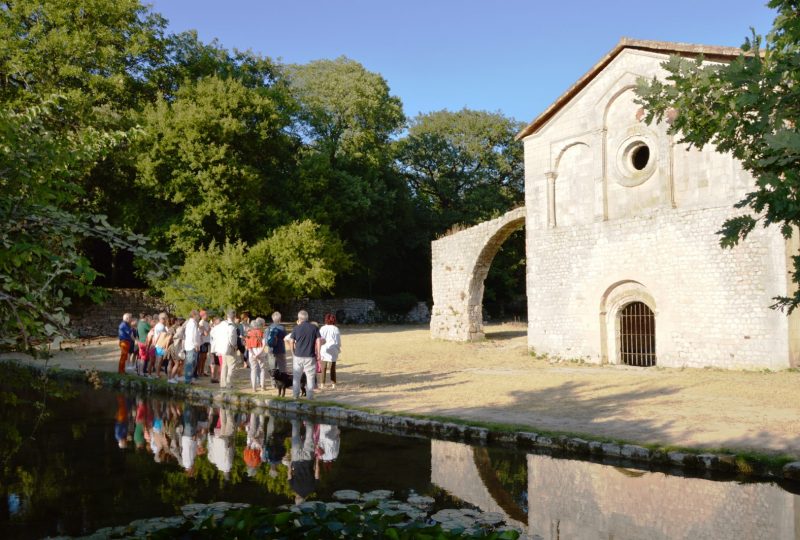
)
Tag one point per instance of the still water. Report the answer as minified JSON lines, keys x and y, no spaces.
{"x":103,"y":458}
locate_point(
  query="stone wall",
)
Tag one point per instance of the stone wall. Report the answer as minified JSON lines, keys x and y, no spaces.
{"x":103,"y":319}
{"x":460,"y":264}
{"x":354,"y":311}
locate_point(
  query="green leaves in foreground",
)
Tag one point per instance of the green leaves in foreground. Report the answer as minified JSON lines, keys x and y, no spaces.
{"x":362,"y":521}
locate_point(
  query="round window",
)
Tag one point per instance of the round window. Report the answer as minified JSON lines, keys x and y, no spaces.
{"x":635,"y":161}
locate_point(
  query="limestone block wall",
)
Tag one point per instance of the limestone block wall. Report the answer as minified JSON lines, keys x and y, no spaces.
{"x":577,"y":499}
{"x":103,"y":319}
{"x":460,"y":263}
{"x":711,"y":304}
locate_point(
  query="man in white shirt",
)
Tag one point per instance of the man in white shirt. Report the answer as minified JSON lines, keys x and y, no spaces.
{"x":191,"y":345}
{"x":225,"y":342}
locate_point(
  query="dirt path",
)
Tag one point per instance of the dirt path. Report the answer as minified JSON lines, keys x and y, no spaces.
{"x":401,"y":369}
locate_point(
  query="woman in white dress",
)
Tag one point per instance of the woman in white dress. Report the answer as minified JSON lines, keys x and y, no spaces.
{"x":331,"y":347}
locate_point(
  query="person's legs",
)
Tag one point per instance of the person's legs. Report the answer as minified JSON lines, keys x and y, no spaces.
{"x":188,"y":369}
{"x":228,"y":363}
{"x":297,"y":373}
{"x":201,"y":364}
{"x":213,"y":363}
{"x":333,"y":374}
{"x":254,"y":366}
{"x":324,"y":371}
{"x":280,"y":362}
{"x":124,"y":347}
{"x":310,"y":369}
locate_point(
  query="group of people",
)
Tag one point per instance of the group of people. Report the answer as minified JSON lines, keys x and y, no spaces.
{"x":181,"y":435}
{"x":180,"y":349}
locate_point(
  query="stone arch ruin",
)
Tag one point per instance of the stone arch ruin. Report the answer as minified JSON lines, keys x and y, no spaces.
{"x":460,"y":264}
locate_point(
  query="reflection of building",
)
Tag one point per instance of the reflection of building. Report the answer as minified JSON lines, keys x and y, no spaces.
{"x":576,"y":499}
{"x":580,"y":500}
{"x":456,"y":468}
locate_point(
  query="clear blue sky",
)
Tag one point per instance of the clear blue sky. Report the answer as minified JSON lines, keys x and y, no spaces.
{"x":515,"y":56}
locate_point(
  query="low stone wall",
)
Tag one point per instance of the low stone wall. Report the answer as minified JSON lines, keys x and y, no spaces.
{"x":354,"y":311}
{"x":103,"y":319}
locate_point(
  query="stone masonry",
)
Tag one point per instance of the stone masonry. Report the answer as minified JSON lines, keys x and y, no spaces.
{"x":619,"y":213}
{"x":460,"y":264}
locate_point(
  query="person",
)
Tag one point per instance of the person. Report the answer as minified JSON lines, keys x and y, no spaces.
{"x":242,"y":326}
{"x":255,"y":342}
{"x":133,"y":352}
{"x":125,"y":341}
{"x":191,"y":346}
{"x":304,"y":469}
{"x":143,"y":328}
{"x":214,"y":359}
{"x":305,"y":342}
{"x":205,"y":340}
{"x":175,"y":352}
{"x":276,"y":347}
{"x":161,"y":340}
{"x":331,"y":347}
{"x":225,"y":344}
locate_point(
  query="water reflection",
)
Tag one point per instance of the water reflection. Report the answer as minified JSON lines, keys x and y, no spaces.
{"x":156,"y":455}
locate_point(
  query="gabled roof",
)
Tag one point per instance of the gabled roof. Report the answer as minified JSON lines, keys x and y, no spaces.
{"x":710,"y":52}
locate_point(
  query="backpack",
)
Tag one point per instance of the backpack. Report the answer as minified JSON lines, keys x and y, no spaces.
{"x":272,"y":338}
{"x":254,"y":338}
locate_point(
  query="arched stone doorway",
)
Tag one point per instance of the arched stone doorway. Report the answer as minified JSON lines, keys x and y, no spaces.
{"x":460,"y":264}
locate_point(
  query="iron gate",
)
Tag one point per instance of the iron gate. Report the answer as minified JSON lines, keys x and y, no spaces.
{"x":637,"y":335}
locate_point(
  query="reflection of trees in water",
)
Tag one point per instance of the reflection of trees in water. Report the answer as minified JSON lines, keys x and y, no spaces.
{"x":505,"y":475}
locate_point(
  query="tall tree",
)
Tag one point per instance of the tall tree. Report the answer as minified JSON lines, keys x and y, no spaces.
{"x":464,"y":166}
{"x":215,"y":159}
{"x":749,"y":107}
{"x":347,"y":118}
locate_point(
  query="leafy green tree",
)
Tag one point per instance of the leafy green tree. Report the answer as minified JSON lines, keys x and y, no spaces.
{"x":347,"y":118}
{"x":41,"y":264}
{"x":214,"y":159}
{"x":464,"y":166}
{"x":749,"y":107}
{"x":298,"y":260}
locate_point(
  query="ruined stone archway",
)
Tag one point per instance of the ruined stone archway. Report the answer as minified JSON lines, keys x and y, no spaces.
{"x":460,"y":264}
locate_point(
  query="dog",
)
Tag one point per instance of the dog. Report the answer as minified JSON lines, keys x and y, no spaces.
{"x":284,"y":381}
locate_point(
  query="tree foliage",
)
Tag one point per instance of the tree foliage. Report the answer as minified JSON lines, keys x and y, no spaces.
{"x":749,"y":107}
{"x":463,"y":166}
{"x":296,"y":260}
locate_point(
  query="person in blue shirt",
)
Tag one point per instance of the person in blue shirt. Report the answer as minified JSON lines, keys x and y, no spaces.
{"x":125,"y":341}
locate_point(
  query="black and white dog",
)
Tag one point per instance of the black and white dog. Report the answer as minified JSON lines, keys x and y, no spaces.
{"x":284,"y":381}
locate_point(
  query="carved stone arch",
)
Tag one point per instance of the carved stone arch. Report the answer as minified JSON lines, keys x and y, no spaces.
{"x":616,"y":95}
{"x":571,"y":190}
{"x":615,"y":297}
{"x":460,"y":264}
{"x":564,"y":149}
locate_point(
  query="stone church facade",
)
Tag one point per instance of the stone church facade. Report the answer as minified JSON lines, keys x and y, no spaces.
{"x":623,"y":260}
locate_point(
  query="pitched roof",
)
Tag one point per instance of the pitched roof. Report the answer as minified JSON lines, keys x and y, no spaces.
{"x":710,"y":52}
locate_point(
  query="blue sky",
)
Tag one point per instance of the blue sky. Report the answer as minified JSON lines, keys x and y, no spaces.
{"x":515,"y":56}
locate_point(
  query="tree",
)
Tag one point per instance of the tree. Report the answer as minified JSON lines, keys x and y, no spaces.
{"x":749,"y":107}
{"x":346,"y":180}
{"x":464,"y":166}
{"x":298,"y":260}
{"x":214,"y":159}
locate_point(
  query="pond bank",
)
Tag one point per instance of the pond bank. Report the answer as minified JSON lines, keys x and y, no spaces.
{"x":605,"y":451}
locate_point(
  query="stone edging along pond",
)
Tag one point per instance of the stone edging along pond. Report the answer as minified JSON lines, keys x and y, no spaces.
{"x":695,"y":461}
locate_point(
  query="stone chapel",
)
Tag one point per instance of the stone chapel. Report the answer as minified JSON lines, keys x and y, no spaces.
{"x":624,"y":264}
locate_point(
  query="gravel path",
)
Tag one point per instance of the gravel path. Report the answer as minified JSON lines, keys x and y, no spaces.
{"x":400,"y":369}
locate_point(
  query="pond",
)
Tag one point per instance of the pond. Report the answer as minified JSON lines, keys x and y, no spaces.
{"x":103,"y":458}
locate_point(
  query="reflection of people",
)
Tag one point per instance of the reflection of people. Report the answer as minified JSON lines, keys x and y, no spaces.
{"x":121,"y":423}
{"x":329,"y":439}
{"x":275,"y":450}
{"x":188,"y":441}
{"x":253,"y":452}
{"x":304,"y":470}
{"x":220,"y":443}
